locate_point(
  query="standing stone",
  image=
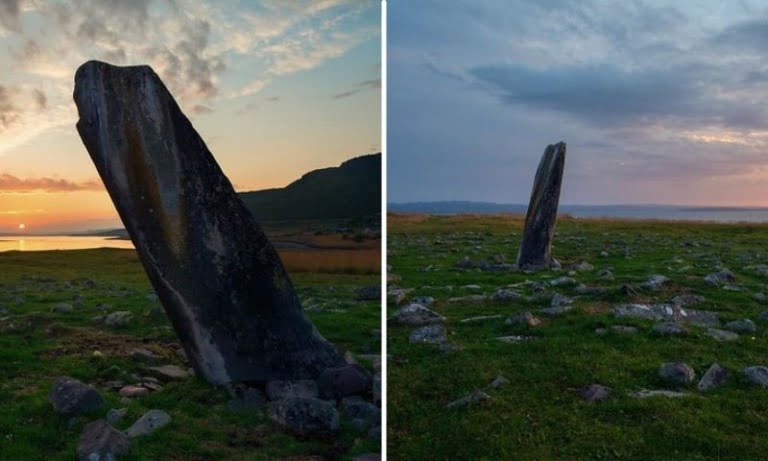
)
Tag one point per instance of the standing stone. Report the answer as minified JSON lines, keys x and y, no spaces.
{"x":216,"y":274}
{"x":535,"y":248}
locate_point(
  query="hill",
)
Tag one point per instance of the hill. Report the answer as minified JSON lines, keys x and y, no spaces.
{"x":351,"y":190}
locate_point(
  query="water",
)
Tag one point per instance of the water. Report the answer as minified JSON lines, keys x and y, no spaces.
{"x":663,"y":212}
{"x":59,"y":242}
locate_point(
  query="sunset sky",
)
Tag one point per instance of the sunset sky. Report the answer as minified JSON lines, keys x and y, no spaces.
{"x":275,"y":87}
{"x":659,"y":102}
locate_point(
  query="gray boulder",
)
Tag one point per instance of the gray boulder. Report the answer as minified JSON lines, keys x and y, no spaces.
{"x":101,"y":442}
{"x":71,"y":397}
{"x":714,"y":377}
{"x":340,"y":382}
{"x":416,"y":314}
{"x":150,"y":422}
{"x":278,"y":390}
{"x":757,"y":375}
{"x":305,"y":416}
{"x":677,"y":373}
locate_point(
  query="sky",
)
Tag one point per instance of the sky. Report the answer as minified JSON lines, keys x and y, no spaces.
{"x":659,"y":102}
{"x":276,"y":88}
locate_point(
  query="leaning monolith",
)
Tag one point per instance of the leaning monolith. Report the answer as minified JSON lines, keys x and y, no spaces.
{"x":536,"y":246}
{"x":219,"y":279}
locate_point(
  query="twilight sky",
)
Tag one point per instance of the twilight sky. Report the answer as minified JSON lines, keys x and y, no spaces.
{"x":275,"y":87}
{"x":659,"y":101}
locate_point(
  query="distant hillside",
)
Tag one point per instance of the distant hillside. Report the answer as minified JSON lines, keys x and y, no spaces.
{"x":351,"y":190}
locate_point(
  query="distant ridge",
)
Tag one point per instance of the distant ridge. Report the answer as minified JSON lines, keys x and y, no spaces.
{"x":351,"y":190}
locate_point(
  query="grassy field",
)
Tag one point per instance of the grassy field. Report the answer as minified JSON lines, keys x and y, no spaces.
{"x":539,"y":413}
{"x":38,"y":345}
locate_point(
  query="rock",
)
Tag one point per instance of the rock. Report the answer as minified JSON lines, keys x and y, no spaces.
{"x":644,"y":393}
{"x":619,"y":329}
{"x":480,"y":318}
{"x":397,"y":296}
{"x":145,"y":356}
{"x":524,"y":318}
{"x":741,"y":326}
{"x":503,"y":296}
{"x":604,"y":254}
{"x":722,"y":335}
{"x":425,"y":301}
{"x":687,"y":300}
{"x":498,"y":382}
{"x":340,"y":382}
{"x":757,"y":375}
{"x":133,"y":391}
{"x":71,"y":397}
{"x":605,"y":274}
{"x":115,"y":416}
{"x":583,"y":266}
{"x":763,"y":316}
{"x":101,"y":442}
{"x":278,"y":390}
{"x":473,"y":398}
{"x":430,"y":334}
{"x":595,"y":393}
{"x":536,"y":245}
{"x":667,"y":312}
{"x":416,"y":314}
{"x":654,"y":282}
{"x":172,"y":372}
{"x":720,"y":278}
{"x":118,"y":319}
{"x":214,"y":270}
{"x":305,"y":416}
{"x":585,"y":290}
{"x":363,"y":415}
{"x":560,"y":310}
{"x":149,"y":423}
{"x":369,"y":293}
{"x":559,"y":300}
{"x":560,"y":281}
{"x":677,"y":373}
{"x":715,"y":376}
{"x":471,"y":299}
{"x":62,"y":308}
{"x":760,"y":297}
{"x":377,"y":388}
{"x":250,"y":399}
{"x":512,"y":338}
{"x":628,"y":290}
{"x":670,"y":329}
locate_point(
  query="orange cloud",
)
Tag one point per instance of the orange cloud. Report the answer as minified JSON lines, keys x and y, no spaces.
{"x":14,"y":184}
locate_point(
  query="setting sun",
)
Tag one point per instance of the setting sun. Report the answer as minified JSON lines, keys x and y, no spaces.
{"x":22,"y":226}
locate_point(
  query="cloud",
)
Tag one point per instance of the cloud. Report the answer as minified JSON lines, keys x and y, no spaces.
{"x":10,"y":114}
{"x":14,"y":184}
{"x":9,"y":15}
{"x":374,"y":84}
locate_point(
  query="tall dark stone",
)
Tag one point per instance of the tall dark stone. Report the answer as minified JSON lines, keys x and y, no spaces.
{"x":219,"y":279}
{"x":535,"y":248}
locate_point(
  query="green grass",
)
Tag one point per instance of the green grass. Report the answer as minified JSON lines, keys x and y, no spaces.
{"x":36,"y":346}
{"x":539,"y":415}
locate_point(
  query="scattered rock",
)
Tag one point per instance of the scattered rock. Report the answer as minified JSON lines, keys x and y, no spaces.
{"x":115,"y":416}
{"x":145,"y":356}
{"x":473,"y":398}
{"x":339,"y":382}
{"x":278,"y":390}
{"x":471,"y":299}
{"x":416,"y":314}
{"x":498,"y":382}
{"x":741,"y":326}
{"x":62,"y":308}
{"x":720,"y":278}
{"x":250,"y":399}
{"x":667,"y":312}
{"x":715,"y":376}
{"x":757,"y":375}
{"x":149,"y":423}
{"x":722,"y":335}
{"x":654,"y":282}
{"x":503,"y":295}
{"x":670,"y":329}
{"x":426,"y":301}
{"x":377,"y":388}
{"x":480,"y":318}
{"x":369,"y":293}
{"x":305,"y":416}
{"x":118,"y":319}
{"x":645,"y":393}
{"x":173,"y":372}
{"x":71,"y":397}
{"x":561,"y":281}
{"x":430,"y":334}
{"x":687,"y":300}
{"x":101,"y":442}
{"x":512,"y":338}
{"x":363,"y":415}
{"x":595,"y":393}
{"x":559,"y":300}
{"x":133,"y":391}
{"x":677,"y":373}
{"x":524,"y":318}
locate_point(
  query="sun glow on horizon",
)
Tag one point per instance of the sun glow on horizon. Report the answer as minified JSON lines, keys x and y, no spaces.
{"x":22,"y":226}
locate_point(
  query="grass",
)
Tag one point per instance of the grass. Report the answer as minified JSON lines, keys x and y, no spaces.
{"x":37,"y":345}
{"x":539,"y":414}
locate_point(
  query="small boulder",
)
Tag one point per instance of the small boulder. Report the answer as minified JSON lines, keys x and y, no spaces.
{"x":101,"y":442}
{"x":279,"y":389}
{"x":504,"y":296}
{"x":720,"y":278}
{"x":149,"y":423}
{"x":118,"y":319}
{"x":677,"y":373}
{"x":473,"y":398}
{"x":670,"y":329}
{"x":363,"y":415}
{"x":340,"y":382}
{"x":369,"y":293}
{"x":741,"y":326}
{"x":757,"y":375}
{"x":430,"y":334}
{"x":416,"y":314}
{"x":71,"y":397}
{"x":114,"y":416}
{"x":305,"y":416}
{"x":715,"y":376}
{"x":595,"y":393}
{"x":722,"y":335}
{"x":172,"y":372}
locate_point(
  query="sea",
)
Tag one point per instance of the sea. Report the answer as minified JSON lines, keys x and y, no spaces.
{"x":660,"y":212}
{"x":59,"y":242}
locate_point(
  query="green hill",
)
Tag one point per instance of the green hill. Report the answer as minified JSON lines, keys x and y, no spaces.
{"x":351,"y":190}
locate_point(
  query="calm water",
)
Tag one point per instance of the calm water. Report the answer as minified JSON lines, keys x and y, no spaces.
{"x":59,"y":242}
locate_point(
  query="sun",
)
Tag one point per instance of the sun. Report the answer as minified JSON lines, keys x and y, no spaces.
{"x":22,"y":226}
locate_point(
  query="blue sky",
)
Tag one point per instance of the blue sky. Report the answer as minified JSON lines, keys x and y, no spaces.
{"x":275,"y":87}
{"x":659,"y":102}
